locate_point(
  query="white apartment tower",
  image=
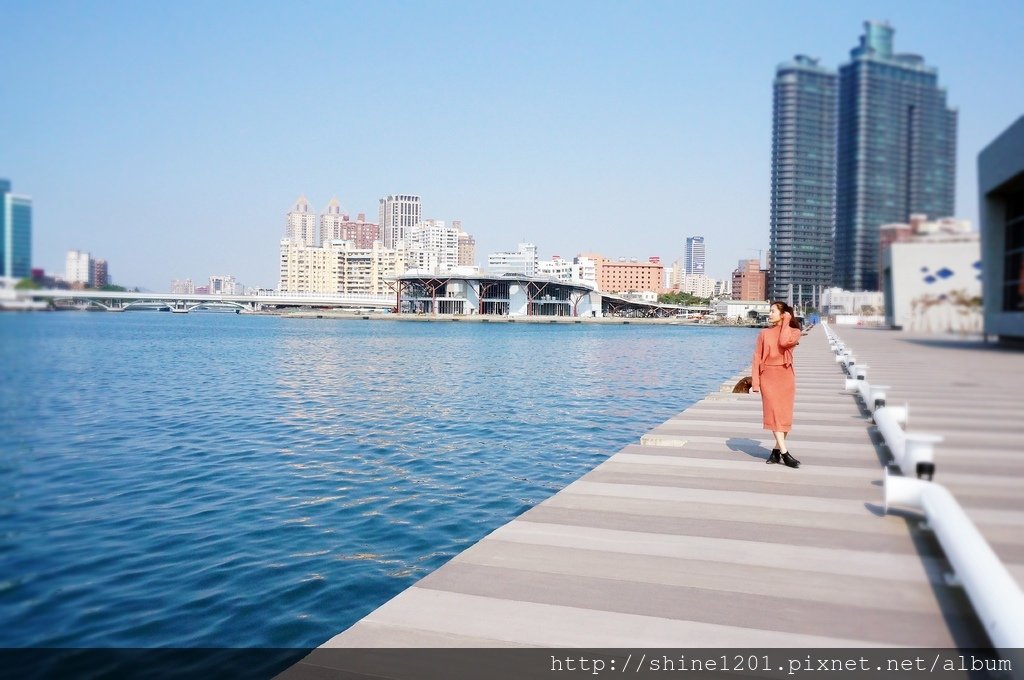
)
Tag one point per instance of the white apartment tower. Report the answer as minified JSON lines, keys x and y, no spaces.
{"x":434,"y":235}
{"x":78,"y":267}
{"x":398,"y":215}
{"x":332,"y":222}
{"x":301,"y":226}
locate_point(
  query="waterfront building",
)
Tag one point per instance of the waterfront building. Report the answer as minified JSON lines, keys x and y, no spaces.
{"x":185,"y":287}
{"x":698,"y":285}
{"x":15,"y":233}
{"x":723,"y":289}
{"x":585,"y":270}
{"x":100,"y":274}
{"x":223,"y":285}
{"x":803,"y":179}
{"x":626,"y":276}
{"x":931,"y":276}
{"x":695,"y":255}
{"x":837,"y":301}
{"x":748,"y":281}
{"x":522,"y":261}
{"x":742,"y":310}
{"x":557,"y":268}
{"x":301,"y":224}
{"x":467,"y":247}
{"x":398,"y":214}
{"x":1001,"y":202}
{"x":437,"y":237}
{"x":78,"y":270}
{"x":340,"y":267}
{"x":896,"y":152}
{"x":507,"y":295}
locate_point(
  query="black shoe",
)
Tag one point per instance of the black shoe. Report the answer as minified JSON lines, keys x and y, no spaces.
{"x":790,"y":461}
{"x":774,"y":458}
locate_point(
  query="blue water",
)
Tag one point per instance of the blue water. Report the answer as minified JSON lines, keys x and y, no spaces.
{"x":230,"y":481}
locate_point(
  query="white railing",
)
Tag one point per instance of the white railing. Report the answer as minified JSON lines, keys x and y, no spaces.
{"x":913,"y":452}
{"x":992,"y":590}
{"x":872,"y":396}
{"x":994,"y":593}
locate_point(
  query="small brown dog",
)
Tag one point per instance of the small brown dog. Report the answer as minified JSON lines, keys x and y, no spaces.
{"x":743,"y":386}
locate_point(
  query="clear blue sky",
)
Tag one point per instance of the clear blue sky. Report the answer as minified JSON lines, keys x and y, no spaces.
{"x":172,"y":137}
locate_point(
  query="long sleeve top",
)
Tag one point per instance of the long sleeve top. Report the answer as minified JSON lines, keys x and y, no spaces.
{"x":774,"y":348}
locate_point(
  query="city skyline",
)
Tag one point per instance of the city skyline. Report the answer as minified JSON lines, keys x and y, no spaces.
{"x":551,"y":124}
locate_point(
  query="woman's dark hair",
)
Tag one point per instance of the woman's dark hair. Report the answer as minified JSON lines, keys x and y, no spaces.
{"x":783,"y":307}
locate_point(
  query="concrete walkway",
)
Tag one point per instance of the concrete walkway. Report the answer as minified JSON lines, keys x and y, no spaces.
{"x":690,"y":540}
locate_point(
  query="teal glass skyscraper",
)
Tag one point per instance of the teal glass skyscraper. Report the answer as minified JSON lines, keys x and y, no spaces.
{"x":803,"y":180}
{"x":15,"y":233}
{"x":896,"y":151}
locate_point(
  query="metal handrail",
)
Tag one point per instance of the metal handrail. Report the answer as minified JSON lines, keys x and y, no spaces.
{"x":994,"y":593}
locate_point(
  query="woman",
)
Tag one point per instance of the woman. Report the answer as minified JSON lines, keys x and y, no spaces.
{"x":773,"y":376}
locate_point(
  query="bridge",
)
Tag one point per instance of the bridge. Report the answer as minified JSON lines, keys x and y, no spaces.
{"x":115,"y":301}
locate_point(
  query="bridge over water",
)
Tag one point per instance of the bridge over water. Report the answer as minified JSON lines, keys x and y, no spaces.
{"x":115,"y":301}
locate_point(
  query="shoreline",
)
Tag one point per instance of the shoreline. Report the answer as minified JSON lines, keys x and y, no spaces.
{"x":487,"y":318}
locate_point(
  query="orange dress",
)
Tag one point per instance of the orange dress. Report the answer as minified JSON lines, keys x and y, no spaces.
{"x":772,"y":373}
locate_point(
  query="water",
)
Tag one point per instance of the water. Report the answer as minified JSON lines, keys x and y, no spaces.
{"x":231,"y":481}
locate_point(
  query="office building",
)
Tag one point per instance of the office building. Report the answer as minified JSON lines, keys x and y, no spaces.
{"x":15,"y":233}
{"x":398,"y":215}
{"x":1001,"y":203}
{"x":895,"y":155}
{"x":694,"y":256}
{"x":803,"y":179}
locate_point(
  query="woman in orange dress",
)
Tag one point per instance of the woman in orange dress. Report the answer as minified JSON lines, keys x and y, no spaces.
{"x":773,"y":376}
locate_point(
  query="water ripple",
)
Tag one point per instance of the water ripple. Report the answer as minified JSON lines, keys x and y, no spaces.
{"x":215,"y":480}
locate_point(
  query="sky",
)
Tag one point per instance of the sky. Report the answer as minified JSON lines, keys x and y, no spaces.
{"x":172,"y":138}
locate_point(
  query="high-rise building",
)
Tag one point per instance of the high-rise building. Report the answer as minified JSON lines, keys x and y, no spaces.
{"x":398,"y":215}
{"x":15,"y":233}
{"x":896,"y":151}
{"x":336,"y":225}
{"x":803,"y":179}
{"x":436,"y":236}
{"x":467,"y":247}
{"x":100,"y":273}
{"x":331,"y":221}
{"x":78,"y":268}
{"x":301,"y":224}
{"x":694,"y":257}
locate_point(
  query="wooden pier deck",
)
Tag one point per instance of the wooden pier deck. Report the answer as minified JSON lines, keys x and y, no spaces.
{"x":690,"y":540}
